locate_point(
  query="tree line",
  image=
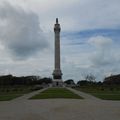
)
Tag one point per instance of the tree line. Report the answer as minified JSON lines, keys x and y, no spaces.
{"x":34,"y":80}
{"x":91,"y":80}
{"x":23,"y":80}
{"x":113,"y":79}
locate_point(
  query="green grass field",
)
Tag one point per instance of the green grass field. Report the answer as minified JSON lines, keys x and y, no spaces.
{"x":11,"y":92}
{"x":106,"y":93}
{"x":8,"y":97}
{"x":56,"y":93}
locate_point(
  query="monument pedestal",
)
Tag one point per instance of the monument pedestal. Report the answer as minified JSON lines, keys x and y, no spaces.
{"x":57,"y":83}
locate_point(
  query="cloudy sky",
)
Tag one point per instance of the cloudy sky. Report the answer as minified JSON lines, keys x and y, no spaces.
{"x":89,"y":37}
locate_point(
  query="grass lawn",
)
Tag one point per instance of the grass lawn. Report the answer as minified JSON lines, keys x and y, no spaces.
{"x":106,"y":96}
{"x":11,"y":92}
{"x":105,"y":93}
{"x":9,"y":97}
{"x":56,"y":93}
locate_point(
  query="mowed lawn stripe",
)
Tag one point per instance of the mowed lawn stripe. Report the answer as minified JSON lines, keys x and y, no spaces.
{"x":56,"y":93}
{"x":105,"y":94}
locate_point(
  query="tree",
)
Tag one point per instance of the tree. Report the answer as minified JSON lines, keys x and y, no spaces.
{"x":113,"y":79}
{"x":69,"y":82}
{"x":83,"y":82}
{"x":90,"y":77}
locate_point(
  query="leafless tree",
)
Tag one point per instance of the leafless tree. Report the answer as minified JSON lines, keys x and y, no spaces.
{"x":90,"y":77}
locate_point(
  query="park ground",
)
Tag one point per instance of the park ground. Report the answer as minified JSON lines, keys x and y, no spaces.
{"x":102,"y":92}
{"x":89,"y":108}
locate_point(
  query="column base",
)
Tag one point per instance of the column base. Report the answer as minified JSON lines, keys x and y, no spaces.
{"x":57,"y":83}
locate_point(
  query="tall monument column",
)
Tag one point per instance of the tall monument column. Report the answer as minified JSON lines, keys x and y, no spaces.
{"x":57,"y":74}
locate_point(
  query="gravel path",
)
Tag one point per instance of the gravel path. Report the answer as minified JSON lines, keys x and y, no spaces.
{"x":90,"y":108}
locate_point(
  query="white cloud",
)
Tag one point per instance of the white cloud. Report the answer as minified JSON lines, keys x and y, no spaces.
{"x":105,"y":57}
{"x":74,"y":15}
{"x":100,"y":41}
{"x":102,"y":55}
{"x":20,"y":32}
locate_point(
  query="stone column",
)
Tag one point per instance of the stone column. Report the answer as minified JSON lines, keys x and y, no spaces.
{"x":57,"y":74}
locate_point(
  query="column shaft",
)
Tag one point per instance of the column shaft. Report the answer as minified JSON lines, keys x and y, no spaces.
{"x":57,"y":50}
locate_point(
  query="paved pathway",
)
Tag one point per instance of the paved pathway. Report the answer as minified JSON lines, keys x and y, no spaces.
{"x":27,"y":96}
{"x":60,"y":109}
{"x":84,"y":95}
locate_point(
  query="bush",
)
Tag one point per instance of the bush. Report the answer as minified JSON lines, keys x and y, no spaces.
{"x":111,"y":89}
{"x":15,"y":89}
{"x":36,"y":87}
{"x":102,"y":89}
{"x":7,"y":90}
